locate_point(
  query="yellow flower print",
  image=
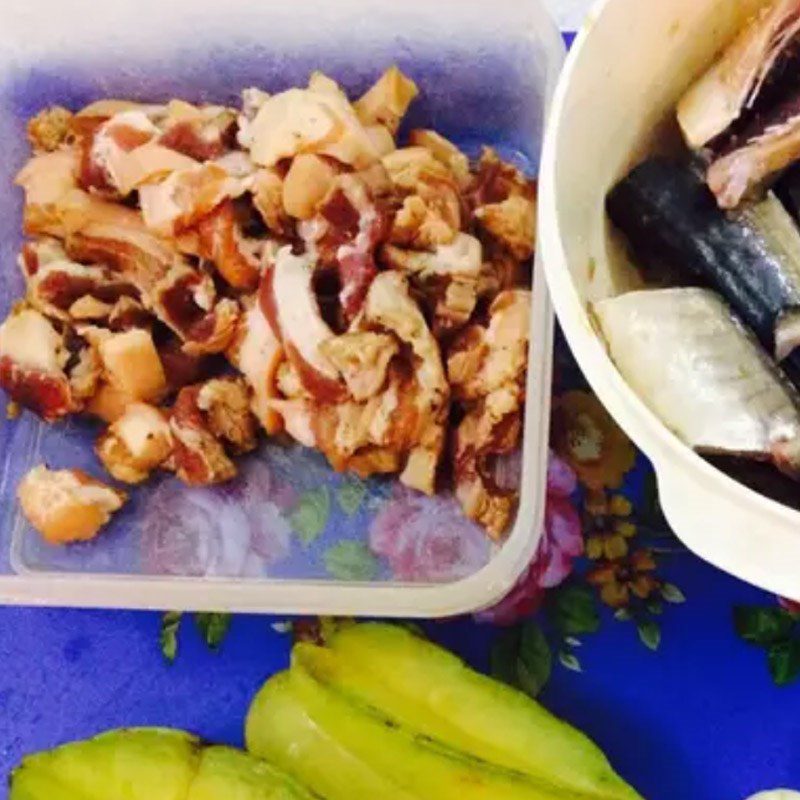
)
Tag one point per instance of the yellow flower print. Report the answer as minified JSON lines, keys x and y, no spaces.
{"x":617,"y":580}
{"x":591,"y":442}
{"x":608,"y":526}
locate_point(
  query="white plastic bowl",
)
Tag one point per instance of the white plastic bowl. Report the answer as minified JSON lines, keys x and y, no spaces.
{"x":486,"y":71}
{"x":614,"y":103}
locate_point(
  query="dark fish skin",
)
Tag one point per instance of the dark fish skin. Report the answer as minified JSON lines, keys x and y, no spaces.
{"x":761,"y":477}
{"x":669,"y":216}
{"x":776,"y":103}
{"x":756,"y":158}
{"x":788,"y":190}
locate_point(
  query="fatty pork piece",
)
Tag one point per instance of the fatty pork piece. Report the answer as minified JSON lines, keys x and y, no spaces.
{"x":389,"y":306}
{"x":41,"y":368}
{"x":448,"y":277}
{"x":397,"y":422}
{"x":122,"y":153}
{"x":445,"y":152}
{"x":430,"y":214}
{"x":137,"y":369}
{"x":257,"y":353}
{"x":287,"y":298}
{"x":207,"y":421}
{"x":732,"y":86}
{"x":130,"y":362}
{"x":186,"y":300}
{"x":181,"y":296}
{"x":503,"y":203}
{"x":112,"y":235}
{"x":343,"y":236}
{"x":186,"y":196}
{"x":487,"y":368}
{"x":126,"y":146}
{"x":321,"y":120}
{"x":67,"y":505}
{"x":699,"y":370}
{"x":66,"y":290}
{"x":195,"y":208}
{"x":362,"y":358}
{"x":136,"y":443}
{"x":387,"y":101}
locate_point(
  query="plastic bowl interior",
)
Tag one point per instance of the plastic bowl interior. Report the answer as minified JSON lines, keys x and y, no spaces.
{"x":288,"y":535}
{"x":614,"y":104}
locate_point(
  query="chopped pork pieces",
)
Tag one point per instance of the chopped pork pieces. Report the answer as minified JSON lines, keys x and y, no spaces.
{"x":196,"y":274}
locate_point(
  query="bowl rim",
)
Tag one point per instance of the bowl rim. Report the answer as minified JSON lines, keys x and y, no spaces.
{"x":668,"y":453}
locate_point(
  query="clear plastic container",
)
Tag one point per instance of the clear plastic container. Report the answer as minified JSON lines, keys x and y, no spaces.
{"x":288,"y":535}
{"x":615,"y":102}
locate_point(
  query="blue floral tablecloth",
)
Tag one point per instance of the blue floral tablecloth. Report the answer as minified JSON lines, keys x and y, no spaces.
{"x":685,"y":676}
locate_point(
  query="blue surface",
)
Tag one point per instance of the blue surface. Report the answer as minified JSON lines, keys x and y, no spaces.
{"x":699,"y":720}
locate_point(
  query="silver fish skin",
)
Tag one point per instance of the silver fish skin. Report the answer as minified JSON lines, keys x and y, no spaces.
{"x":703,"y":373}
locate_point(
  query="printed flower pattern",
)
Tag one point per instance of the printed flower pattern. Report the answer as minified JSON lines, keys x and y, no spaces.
{"x":427,"y":541}
{"x":619,"y":579}
{"x":561,"y":543}
{"x":608,"y":525}
{"x":233,"y":530}
{"x":588,"y":438}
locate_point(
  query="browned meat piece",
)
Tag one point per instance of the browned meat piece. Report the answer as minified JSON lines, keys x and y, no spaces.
{"x":487,"y":367}
{"x":256,"y":352}
{"x":387,"y":101}
{"x":447,"y":276}
{"x":363,"y":359}
{"x":137,"y":443}
{"x":130,"y":362}
{"x":186,"y":300}
{"x":205,"y":418}
{"x":67,"y":505}
{"x":33,"y":360}
{"x":49,"y":129}
{"x":445,"y":152}
{"x":65,"y":290}
{"x":431,"y":211}
{"x":222,"y":242}
{"x":226,"y":405}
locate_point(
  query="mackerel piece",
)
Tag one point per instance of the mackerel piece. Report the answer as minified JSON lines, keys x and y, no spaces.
{"x":752,"y":257}
{"x":735,"y":82}
{"x":697,"y":367}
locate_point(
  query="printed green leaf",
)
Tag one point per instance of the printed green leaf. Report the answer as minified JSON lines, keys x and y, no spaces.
{"x":784,"y":661}
{"x":281,"y":626}
{"x":655,"y":607}
{"x":503,"y":658}
{"x":168,"y":637}
{"x":311,"y":513}
{"x":672,"y":594}
{"x":622,"y":615}
{"x":649,"y":633}
{"x":572,"y":641}
{"x":213,"y":627}
{"x":762,"y":625}
{"x":535,"y":661}
{"x":521,"y":658}
{"x":351,"y":561}
{"x":350,"y":495}
{"x":573,"y":610}
{"x":570,"y":661}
